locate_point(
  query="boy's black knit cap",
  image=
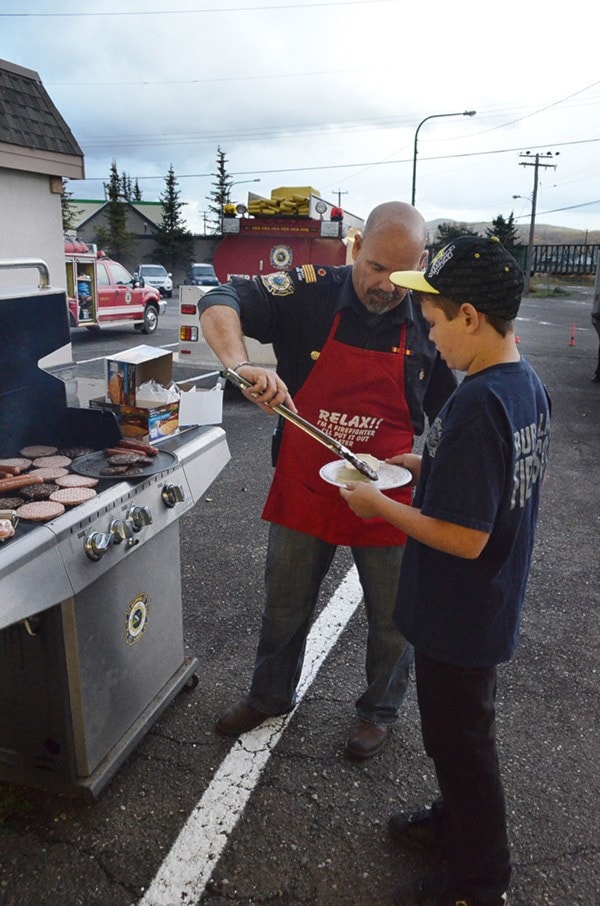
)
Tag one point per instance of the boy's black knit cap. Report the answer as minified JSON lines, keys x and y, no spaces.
{"x":471,"y":269}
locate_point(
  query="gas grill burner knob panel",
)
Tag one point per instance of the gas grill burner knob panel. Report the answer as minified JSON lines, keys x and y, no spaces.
{"x":121,"y":530}
{"x":138,"y":517}
{"x":172,"y":494}
{"x":96,"y":544}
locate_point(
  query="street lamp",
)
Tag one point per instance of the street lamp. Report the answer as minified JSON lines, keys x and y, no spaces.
{"x":238,"y":182}
{"x":432,"y":117}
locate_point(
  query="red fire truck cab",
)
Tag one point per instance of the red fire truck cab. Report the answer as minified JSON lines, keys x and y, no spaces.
{"x":102,"y":292}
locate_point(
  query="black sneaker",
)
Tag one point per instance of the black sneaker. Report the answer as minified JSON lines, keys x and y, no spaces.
{"x":416,"y":830}
{"x":435,"y":892}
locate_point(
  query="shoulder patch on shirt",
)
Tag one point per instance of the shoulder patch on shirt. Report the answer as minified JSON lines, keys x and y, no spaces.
{"x":278,"y":284}
{"x":308,"y":273}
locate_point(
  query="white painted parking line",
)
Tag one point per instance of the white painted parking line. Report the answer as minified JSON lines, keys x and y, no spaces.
{"x":183,"y":875}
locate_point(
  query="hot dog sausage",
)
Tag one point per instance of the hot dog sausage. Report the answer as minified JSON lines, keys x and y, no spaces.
{"x":18,"y":481}
{"x":138,"y":445}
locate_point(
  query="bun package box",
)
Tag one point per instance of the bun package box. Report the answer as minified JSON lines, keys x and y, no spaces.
{"x":133,"y":369}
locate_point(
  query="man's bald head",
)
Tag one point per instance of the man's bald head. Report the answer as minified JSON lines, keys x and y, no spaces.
{"x":397,"y":215}
{"x":394,"y":232}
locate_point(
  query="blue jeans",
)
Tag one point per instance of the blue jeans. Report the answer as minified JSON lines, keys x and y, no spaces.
{"x":296,"y":565}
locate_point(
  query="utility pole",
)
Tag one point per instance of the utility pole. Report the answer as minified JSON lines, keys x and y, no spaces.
{"x":339,"y":194}
{"x":536,"y":164}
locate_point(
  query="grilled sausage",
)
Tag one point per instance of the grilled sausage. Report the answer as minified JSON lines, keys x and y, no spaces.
{"x":18,"y":481}
{"x":121,"y":451}
{"x":139,"y":445}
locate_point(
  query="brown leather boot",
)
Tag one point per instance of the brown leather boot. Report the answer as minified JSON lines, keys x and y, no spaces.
{"x":365,"y":739}
{"x":240,"y":718}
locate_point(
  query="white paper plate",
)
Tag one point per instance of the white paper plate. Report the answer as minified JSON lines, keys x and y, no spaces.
{"x":389,"y":476}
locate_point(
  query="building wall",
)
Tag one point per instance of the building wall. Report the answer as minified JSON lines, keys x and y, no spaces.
{"x":30,"y":227}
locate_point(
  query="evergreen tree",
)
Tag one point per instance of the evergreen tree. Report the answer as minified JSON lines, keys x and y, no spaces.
{"x":126,"y":187}
{"x":70,"y":214}
{"x":506,"y":232}
{"x":446,"y":232}
{"x":220,"y":192}
{"x":137,"y":192}
{"x":174,"y":242}
{"x":115,"y":238}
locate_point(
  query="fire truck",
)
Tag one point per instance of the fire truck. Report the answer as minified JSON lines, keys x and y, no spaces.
{"x":294,"y":226}
{"x":101,"y":291}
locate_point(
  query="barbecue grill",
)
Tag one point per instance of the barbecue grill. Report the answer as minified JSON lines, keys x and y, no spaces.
{"x":91,"y":630}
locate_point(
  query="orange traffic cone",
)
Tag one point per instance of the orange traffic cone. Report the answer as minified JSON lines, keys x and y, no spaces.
{"x":572,"y":340}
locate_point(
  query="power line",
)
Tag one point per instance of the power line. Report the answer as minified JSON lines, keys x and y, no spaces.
{"x":184,"y":12}
{"x":241,"y":78}
{"x":365,"y":164}
{"x":570,"y":207}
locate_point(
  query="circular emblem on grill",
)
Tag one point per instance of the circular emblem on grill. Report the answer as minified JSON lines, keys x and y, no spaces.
{"x":136,"y":619}
{"x":281,"y":256}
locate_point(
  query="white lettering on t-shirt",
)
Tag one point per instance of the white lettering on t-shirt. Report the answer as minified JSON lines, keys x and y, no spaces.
{"x":530,"y":445}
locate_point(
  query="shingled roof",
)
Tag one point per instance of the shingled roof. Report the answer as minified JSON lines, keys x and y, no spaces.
{"x":33,"y":134}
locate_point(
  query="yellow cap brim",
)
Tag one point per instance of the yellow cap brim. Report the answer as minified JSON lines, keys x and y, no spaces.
{"x":412,"y":280}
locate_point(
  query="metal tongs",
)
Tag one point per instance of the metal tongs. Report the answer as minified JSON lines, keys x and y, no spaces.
{"x":310,"y":429}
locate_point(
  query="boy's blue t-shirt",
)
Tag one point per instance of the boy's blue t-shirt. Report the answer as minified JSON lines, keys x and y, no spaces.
{"x":483,"y":465}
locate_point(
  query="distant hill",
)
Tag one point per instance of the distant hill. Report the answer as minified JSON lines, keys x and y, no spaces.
{"x":544,"y":233}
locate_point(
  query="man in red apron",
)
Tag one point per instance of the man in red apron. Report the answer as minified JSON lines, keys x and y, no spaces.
{"x":353,"y":358}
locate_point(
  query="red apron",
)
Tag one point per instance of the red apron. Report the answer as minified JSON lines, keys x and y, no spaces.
{"x":357,"y":396}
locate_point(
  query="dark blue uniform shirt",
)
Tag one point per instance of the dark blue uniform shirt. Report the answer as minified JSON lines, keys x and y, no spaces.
{"x":294,"y":311}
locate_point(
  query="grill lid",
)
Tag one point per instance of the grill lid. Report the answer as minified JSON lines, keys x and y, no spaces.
{"x":33,"y":403}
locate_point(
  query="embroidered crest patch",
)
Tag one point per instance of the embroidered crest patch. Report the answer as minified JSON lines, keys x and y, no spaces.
{"x":278,"y":284}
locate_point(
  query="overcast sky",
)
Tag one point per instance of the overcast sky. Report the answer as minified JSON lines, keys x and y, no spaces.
{"x":329,"y":95}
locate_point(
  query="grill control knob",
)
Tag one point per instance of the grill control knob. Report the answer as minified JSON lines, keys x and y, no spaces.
{"x":96,"y":544}
{"x":172,"y":494}
{"x":138,"y":517}
{"x":121,"y":530}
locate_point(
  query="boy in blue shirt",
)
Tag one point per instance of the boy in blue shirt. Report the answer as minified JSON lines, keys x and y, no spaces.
{"x":471,"y":531}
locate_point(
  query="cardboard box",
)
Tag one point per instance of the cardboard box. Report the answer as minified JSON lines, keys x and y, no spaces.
{"x":147,"y":424}
{"x":128,"y":370}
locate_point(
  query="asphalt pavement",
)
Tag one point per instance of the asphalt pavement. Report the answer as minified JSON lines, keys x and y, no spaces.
{"x":285,"y":817}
